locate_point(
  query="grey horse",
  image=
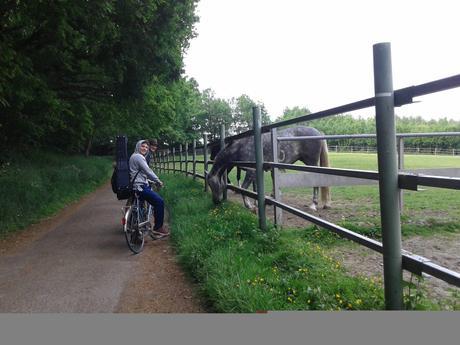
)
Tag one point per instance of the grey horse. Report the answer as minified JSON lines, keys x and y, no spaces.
{"x":310,"y":152}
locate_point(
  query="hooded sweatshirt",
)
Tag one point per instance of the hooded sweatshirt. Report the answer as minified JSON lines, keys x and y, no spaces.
{"x":137,"y":163}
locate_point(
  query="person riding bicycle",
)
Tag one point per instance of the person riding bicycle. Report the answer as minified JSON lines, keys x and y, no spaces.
{"x":141,"y":173}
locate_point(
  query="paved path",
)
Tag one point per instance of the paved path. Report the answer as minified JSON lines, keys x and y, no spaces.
{"x":77,"y":262}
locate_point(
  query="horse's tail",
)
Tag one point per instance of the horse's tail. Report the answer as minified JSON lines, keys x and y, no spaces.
{"x":324,"y":162}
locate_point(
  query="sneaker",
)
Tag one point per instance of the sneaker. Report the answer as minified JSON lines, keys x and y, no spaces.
{"x":159,"y":233}
{"x":164,"y":230}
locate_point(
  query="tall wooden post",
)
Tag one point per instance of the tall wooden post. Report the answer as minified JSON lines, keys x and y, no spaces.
{"x":205,"y":154}
{"x":186,"y":159}
{"x":194,"y":159}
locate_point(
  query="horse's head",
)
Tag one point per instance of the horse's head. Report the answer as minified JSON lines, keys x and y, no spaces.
{"x":214,"y":150}
{"x":217,"y":188}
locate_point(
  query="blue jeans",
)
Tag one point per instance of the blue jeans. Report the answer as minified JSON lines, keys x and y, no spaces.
{"x":157,"y":203}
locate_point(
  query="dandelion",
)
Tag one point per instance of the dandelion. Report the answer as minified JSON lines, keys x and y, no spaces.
{"x":358,"y":301}
{"x":337,"y":296}
{"x":350,"y":306}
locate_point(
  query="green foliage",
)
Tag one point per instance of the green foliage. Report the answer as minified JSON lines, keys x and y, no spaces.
{"x":215,"y":112}
{"x":242,"y":114}
{"x":292,"y":113}
{"x":73,"y":74}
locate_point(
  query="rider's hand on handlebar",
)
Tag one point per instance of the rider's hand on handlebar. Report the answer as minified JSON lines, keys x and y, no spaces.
{"x":158,"y":184}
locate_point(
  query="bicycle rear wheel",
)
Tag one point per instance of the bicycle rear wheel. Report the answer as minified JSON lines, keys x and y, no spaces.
{"x":133,"y":234}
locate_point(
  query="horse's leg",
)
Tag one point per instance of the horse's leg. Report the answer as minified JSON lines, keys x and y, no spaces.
{"x":324,"y":162}
{"x":314,"y":205}
{"x":238,"y":176}
{"x":248,"y":179}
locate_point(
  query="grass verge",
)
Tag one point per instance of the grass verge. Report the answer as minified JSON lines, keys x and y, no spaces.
{"x":38,"y":184}
{"x":243,"y":270}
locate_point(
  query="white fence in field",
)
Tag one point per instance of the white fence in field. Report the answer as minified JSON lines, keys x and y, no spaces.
{"x":407,"y":150}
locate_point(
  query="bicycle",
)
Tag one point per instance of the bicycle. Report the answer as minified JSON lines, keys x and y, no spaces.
{"x":137,"y":221}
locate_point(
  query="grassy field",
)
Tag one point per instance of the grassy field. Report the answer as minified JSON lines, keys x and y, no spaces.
{"x":425,"y":212}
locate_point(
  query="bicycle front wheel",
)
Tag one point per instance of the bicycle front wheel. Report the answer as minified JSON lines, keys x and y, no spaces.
{"x":133,"y":234}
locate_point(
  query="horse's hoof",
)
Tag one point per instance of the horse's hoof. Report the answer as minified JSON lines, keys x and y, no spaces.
{"x":327,"y":206}
{"x":313,"y":207}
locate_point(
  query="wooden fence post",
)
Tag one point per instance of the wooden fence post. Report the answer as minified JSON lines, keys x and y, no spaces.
{"x":180,"y":158}
{"x":205,"y":155}
{"x":186,"y":159}
{"x":194,"y":159}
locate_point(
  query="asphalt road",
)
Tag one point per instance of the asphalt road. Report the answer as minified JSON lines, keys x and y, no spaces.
{"x":79,"y":264}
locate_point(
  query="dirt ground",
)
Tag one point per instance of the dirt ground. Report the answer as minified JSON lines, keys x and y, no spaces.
{"x":443,"y":250}
{"x":160,"y":285}
{"x":77,"y":261}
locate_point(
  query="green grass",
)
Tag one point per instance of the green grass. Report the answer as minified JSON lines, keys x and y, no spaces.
{"x":39,"y":184}
{"x":242,"y":269}
{"x":426,"y":212}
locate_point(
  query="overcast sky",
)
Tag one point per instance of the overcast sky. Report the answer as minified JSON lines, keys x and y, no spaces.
{"x":318,"y":54}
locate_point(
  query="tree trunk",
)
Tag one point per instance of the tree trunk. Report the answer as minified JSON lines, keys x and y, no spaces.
{"x":88,"y":146}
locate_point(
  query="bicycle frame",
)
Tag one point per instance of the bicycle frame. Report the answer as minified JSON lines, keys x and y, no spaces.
{"x":134,"y":202}
{"x":136,"y":222}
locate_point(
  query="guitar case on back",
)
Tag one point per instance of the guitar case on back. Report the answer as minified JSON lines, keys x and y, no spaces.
{"x":121,"y":184}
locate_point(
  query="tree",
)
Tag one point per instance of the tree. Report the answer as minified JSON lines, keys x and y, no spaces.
{"x":64,"y":64}
{"x":215,"y":111}
{"x":242,"y":113}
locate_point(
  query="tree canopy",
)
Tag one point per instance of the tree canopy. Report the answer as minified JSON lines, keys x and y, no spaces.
{"x":74,"y":72}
